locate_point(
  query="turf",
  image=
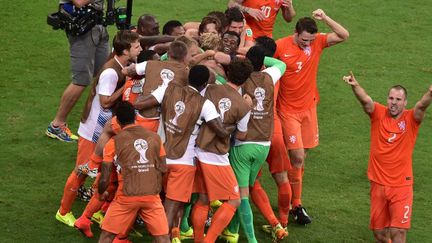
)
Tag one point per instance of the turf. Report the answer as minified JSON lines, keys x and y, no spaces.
{"x":389,"y":44}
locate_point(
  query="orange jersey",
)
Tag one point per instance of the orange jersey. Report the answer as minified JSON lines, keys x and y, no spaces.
{"x":270,"y":9}
{"x":109,"y":154}
{"x":132,"y":90}
{"x":248,"y":33}
{"x":298,"y":89}
{"x":275,"y":95}
{"x":391,"y":147}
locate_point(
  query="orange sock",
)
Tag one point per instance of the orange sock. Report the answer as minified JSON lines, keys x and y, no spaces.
{"x":93,"y":205}
{"x":105,"y":206}
{"x":220,"y":220}
{"x":295,"y":178}
{"x":260,"y":199}
{"x":199,"y":216}
{"x":175,"y":232}
{"x":70,"y":192}
{"x":284,"y":200}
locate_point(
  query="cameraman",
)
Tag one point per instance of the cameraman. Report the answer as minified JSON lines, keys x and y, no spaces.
{"x":88,"y":52}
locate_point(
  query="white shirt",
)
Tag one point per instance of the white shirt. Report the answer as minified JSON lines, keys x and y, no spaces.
{"x":208,"y":113}
{"x":275,"y":74}
{"x":92,"y":128}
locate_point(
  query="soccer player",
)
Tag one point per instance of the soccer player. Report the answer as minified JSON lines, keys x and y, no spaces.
{"x":237,"y":24}
{"x":278,"y":163}
{"x":298,"y":94}
{"x":157,"y":73}
{"x":261,"y":15}
{"x":106,"y":91}
{"x":393,"y":135}
{"x":215,"y":178}
{"x":139,"y":158}
{"x":162,"y":72}
{"x":173,"y":28}
{"x":247,"y":156}
{"x":182,"y":108}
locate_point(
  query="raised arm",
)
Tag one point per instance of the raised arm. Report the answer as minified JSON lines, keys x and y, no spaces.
{"x":339,"y":33}
{"x":257,"y":14}
{"x":422,"y":105}
{"x":288,"y":11}
{"x":365,"y":100}
{"x":275,"y":68}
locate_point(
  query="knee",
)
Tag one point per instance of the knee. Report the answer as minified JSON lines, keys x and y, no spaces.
{"x":297,"y":158}
{"x":281,"y":177}
{"x":397,"y":235}
{"x":381,"y":236}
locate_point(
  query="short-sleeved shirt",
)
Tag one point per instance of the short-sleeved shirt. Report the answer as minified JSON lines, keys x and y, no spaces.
{"x":92,"y":128}
{"x":298,"y":86}
{"x":109,"y":155}
{"x":270,"y":9}
{"x":391,"y":147}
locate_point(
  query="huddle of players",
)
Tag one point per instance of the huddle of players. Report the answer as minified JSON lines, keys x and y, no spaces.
{"x":201,"y":98}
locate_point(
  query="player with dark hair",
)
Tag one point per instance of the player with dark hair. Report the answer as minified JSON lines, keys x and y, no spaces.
{"x":212,"y":154}
{"x":247,"y":156}
{"x":183,"y":108}
{"x":173,"y":28}
{"x":298,"y":95}
{"x":261,"y":15}
{"x":105,"y":93}
{"x":238,"y":25}
{"x":140,"y":164}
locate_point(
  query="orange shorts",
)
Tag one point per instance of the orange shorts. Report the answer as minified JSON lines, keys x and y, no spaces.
{"x":179,"y":182}
{"x":121,"y":215}
{"x":151,"y":124}
{"x":300,"y":130}
{"x":277,"y":158}
{"x":219,"y":182}
{"x":199,"y":184}
{"x":390,"y":206}
{"x":85,"y":150}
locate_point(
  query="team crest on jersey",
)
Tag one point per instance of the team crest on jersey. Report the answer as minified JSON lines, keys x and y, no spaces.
{"x":307,"y":50}
{"x":402,"y":125}
{"x":259,"y":94}
{"x":141,"y":147}
{"x":249,"y":32}
{"x":179,"y":109}
{"x":137,"y":86}
{"x":224,"y":106}
{"x":166,"y":75}
{"x":236,"y":189}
